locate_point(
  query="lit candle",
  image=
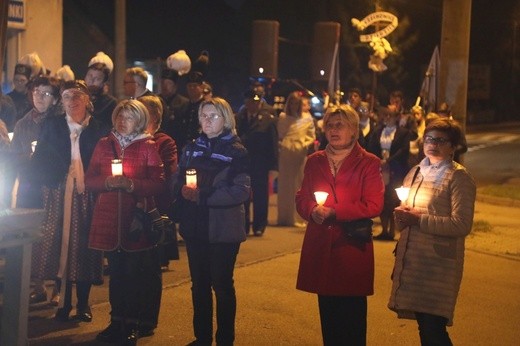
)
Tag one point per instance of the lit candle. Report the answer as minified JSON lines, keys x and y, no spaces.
{"x":321,"y":197}
{"x":191,"y":178}
{"x":33,"y":145}
{"x":402,"y":193}
{"x":10,"y":135}
{"x":117,"y":167}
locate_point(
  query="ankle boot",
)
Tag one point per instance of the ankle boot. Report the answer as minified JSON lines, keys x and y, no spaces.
{"x":111,"y":334}
{"x":130,"y":335}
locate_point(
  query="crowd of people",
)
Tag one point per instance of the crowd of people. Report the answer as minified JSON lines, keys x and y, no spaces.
{"x":68,"y":133}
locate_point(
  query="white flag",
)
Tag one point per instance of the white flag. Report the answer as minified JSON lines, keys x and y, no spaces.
{"x":430,"y":85}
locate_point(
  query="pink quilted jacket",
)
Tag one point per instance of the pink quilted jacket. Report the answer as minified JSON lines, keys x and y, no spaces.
{"x":113,"y":212}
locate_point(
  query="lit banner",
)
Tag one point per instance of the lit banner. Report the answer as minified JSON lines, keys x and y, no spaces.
{"x":16,"y":14}
{"x":380,"y":18}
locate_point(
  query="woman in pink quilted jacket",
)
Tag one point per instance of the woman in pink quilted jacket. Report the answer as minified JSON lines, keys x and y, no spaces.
{"x":133,"y":259}
{"x":435,"y":220}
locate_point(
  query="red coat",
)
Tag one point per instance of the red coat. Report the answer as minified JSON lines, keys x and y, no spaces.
{"x":113,"y":212}
{"x":168,"y":152}
{"x":331,"y":263}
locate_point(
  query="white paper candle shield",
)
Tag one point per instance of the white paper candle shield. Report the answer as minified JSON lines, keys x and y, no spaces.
{"x":321,"y":197}
{"x":191,"y":178}
{"x":117,"y":167}
{"x":402,"y":193}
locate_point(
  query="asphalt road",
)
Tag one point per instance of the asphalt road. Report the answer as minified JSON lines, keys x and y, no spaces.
{"x":272,"y":312}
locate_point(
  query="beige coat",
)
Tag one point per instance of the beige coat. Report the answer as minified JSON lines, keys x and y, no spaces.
{"x":430,"y":257}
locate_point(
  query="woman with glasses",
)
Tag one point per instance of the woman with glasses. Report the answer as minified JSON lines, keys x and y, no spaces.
{"x":59,"y":162}
{"x":212,"y":218}
{"x":434,"y":222}
{"x":337,"y":267}
{"x":45,"y":93}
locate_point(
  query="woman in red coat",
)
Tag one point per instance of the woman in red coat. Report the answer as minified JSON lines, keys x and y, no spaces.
{"x":336,"y":266}
{"x":133,"y":259}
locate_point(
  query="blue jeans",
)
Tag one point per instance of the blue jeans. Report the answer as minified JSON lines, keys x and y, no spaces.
{"x":211,"y":266}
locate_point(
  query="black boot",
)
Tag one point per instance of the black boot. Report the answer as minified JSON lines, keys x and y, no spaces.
{"x":112,"y":334}
{"x":130,"y":335}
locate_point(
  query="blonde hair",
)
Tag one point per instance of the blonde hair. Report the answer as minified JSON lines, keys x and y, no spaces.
{"x":224,"y":109}
{"x":297,"y":96}
{"x":347,"y":112}
{"x":136,"y":109}
{"x":155,"y":109}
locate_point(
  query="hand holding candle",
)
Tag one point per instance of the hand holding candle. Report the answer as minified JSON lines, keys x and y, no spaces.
{"x":321,"y":197}
{"x":191,"y":178}
{"x":117,"y":167}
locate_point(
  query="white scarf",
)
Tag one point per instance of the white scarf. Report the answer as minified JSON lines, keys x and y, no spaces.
{"x":76,"y":175}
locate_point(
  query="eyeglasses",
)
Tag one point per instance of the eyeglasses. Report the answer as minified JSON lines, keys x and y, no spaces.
{"x":210,"y":117}
{"x":126,"y":118}
{"x":436,"y":140}
{"x":41,"y":93}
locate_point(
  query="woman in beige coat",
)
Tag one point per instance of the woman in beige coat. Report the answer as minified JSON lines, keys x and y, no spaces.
{"x":435,"y":219}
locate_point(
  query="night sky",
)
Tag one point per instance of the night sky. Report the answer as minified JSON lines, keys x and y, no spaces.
{"x":156,"y":29}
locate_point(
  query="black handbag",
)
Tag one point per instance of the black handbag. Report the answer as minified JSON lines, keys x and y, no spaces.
{"x":360,"y":230}
{"x":157,"y":228}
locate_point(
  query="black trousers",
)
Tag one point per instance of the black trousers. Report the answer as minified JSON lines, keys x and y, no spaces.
{"x":212,"y":266}
{"x":82,"y":294}
{"x":432,"y":330}
{"x":343,"y":320}
{"x":135,"y":286}
{"x":260,"y":199}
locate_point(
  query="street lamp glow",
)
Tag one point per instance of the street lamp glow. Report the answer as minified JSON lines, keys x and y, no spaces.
{"x":322,"y":72}
{"x":261,"y":70}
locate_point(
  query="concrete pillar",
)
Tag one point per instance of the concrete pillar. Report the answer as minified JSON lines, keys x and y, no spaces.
{"x":456,"y":19}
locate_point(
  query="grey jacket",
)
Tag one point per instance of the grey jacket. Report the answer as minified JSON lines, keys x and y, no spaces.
{"x":430,"y":257}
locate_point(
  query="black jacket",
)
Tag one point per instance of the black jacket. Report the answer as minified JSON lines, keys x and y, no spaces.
{"x":52,"y":157}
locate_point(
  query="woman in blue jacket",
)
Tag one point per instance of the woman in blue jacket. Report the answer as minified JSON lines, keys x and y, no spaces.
{"x":212,"y":218}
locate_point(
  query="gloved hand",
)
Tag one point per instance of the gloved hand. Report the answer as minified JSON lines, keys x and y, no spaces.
{"x":190,"y":193}
{"x":119,"y":182}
